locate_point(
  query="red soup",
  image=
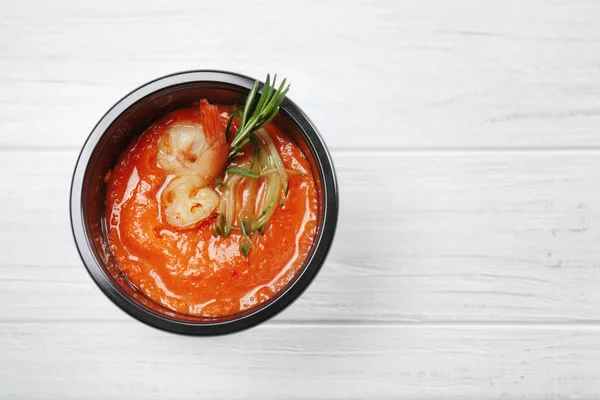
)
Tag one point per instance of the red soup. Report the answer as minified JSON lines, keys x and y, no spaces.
{"x":205,"y":232}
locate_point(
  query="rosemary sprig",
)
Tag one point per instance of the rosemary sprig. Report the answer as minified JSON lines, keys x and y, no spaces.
{"x":257,"y":112}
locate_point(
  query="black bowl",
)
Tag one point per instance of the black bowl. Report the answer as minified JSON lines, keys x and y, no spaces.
{"x":128,"y":118}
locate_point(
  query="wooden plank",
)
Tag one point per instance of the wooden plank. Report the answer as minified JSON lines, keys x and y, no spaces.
{"x":429,"y":236}
{"x":404,"y":74}
{"x":129,"y":360}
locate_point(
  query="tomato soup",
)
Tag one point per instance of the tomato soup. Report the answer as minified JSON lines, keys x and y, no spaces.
{"x":192,"y":270}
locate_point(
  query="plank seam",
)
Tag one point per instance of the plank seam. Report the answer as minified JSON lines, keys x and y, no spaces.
{"x":420,"y":150}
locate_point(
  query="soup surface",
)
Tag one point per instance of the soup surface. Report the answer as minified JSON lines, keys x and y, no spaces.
{"x":192,"y":270}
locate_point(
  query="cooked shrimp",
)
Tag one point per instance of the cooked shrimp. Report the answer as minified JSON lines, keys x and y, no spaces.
{"x":192,"y":148}
{"x":186,"y":201}
{"x":196,"y":153}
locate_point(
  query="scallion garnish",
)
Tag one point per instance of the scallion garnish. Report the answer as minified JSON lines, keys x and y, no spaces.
{"x":252,"y":188}
{"x":243,"y":172}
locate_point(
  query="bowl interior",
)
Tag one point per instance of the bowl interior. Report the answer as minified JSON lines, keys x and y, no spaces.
{"x":132,"y":122}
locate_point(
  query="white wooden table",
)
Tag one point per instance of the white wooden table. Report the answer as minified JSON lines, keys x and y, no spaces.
{"x":466,"y":137}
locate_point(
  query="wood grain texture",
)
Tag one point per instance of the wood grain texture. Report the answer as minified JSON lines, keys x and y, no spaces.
{"x":465,"y":136}
{"x":421,"y":237}
{"x":369,"y":73}
{"x":317,"y":362}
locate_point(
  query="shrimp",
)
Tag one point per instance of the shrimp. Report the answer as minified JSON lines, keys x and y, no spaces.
{"x":192,"y":148}
{"x":187,"y":203}
{"x":195,"y":153}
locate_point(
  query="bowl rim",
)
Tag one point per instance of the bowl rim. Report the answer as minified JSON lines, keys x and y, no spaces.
{"x":281,"y":300}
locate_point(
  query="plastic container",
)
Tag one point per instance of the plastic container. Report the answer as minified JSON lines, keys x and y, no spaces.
{"x":128,"y":118}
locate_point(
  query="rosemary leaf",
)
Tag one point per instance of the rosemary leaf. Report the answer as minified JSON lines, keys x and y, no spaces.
{"x":246,"y":247}
{"x":244,"y":228}
{"x":228,"y":129}
{"x":249,"y":102}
